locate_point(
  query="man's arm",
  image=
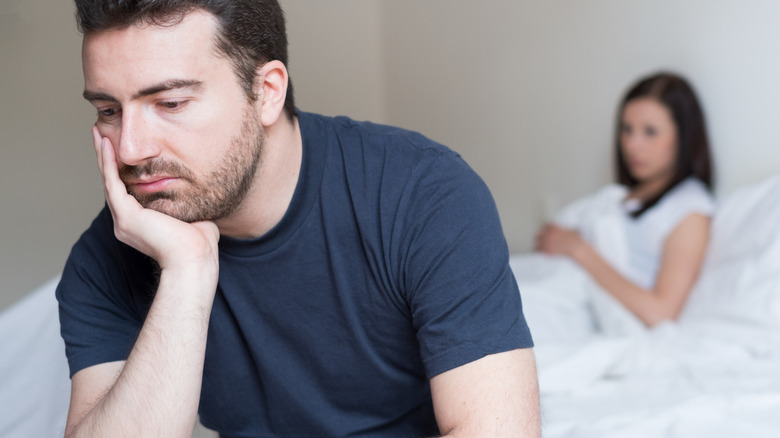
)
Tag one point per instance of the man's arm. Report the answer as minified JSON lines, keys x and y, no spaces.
{"x":495,"y":396}
{"x":157,"y":390}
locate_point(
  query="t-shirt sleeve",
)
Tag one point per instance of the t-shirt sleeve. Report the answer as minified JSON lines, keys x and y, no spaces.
{"x":694,"y":198}
{"x":690,"y":197}
{"x":464,"y":299}
{"x":99,"y":319}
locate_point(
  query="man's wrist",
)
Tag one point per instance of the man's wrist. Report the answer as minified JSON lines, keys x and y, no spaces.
{"x":190,"y":280}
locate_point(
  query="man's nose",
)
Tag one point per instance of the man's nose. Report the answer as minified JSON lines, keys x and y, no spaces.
{"x":136,"y":141}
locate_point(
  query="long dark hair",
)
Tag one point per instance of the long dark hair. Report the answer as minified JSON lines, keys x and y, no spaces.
{"x":693,"y":146}
{"x":250,"y":33}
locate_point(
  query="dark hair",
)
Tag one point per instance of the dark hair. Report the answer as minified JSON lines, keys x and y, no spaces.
{"x":250,"y":32}
{"x":693,"y":147}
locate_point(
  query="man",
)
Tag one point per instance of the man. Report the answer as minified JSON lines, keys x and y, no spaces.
{"x":277,"y":272}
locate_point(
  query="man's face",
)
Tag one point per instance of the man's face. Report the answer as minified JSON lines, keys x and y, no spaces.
{"x":187,"y":139}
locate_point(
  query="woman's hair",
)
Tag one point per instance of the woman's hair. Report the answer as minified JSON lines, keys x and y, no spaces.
{"x":250,"y":32}
{"x":693,"y":146}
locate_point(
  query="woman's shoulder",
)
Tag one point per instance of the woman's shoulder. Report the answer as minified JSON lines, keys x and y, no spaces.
{"x":690,"y":196}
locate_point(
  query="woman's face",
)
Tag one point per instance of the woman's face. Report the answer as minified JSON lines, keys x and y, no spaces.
{"x":648,"y":140}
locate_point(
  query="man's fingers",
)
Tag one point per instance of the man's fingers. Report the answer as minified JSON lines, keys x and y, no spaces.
{"x":119,"y":201}
{"x":106,"y":159}
{"x":97,"y":141}
{"x":110,"y":168}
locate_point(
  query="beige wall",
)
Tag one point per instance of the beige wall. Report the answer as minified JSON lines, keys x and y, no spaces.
{"x":48,"y":181}
{"x":336,"y":61}
{"x":524,"y":90}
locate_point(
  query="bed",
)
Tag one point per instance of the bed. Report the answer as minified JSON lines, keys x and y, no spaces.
{"x":714,"y":373}
{"x":34,"y":389}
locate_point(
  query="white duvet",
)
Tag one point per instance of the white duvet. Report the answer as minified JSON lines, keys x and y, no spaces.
{"x":714,"y":373}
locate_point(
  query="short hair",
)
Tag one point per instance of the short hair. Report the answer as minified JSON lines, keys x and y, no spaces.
{"x":693,"y":146}
{"x":250,"y":32}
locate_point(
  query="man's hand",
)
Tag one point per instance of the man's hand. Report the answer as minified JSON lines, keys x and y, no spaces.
{"x":169,"y":241}
{"x":156,"y":391}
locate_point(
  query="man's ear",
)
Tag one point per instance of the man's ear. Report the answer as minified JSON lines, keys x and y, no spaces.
{"x":271,"y":91}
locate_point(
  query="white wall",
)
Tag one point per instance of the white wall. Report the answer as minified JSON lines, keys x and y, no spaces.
{"x":525,"y":90}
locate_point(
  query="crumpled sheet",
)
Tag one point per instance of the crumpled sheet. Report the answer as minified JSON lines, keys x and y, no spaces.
{"x":697,"y":379}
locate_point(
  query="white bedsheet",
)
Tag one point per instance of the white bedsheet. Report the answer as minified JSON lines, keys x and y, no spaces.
{"x":709,"y":379}
{"x":34,"y":388}
{"x":715,"y":373}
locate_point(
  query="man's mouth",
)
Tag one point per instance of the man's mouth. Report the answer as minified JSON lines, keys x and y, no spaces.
{"x":151,"y":184}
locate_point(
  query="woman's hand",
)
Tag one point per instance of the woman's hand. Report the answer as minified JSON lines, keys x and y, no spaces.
{"x":555,"y":240}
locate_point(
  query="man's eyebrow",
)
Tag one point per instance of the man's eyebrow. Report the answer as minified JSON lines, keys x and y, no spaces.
{"x":94,"y":95}
{"x":171,"y":84}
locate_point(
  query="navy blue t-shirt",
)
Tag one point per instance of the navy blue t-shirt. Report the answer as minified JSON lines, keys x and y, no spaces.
{"x":389,"y":267}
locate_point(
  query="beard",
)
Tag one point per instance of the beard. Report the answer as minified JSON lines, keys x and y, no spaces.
{"x":215,"y":195}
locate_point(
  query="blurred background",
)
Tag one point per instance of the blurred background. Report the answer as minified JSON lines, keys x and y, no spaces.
{"x":525,"y":90}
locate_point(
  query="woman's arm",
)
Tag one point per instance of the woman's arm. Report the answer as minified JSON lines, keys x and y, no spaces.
{"x":681,"y":261}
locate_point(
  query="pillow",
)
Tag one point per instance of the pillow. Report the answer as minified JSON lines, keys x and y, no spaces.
{"x":740,"y":278}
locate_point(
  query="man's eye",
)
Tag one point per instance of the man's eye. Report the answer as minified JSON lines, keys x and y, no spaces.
{"x":173,"y":105}
{"x":107,"y":113}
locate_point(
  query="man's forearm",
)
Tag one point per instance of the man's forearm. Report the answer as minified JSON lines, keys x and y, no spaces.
{"x":158,"y":390}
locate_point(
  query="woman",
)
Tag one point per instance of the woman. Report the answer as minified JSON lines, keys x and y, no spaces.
{"x":663,"y":159}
